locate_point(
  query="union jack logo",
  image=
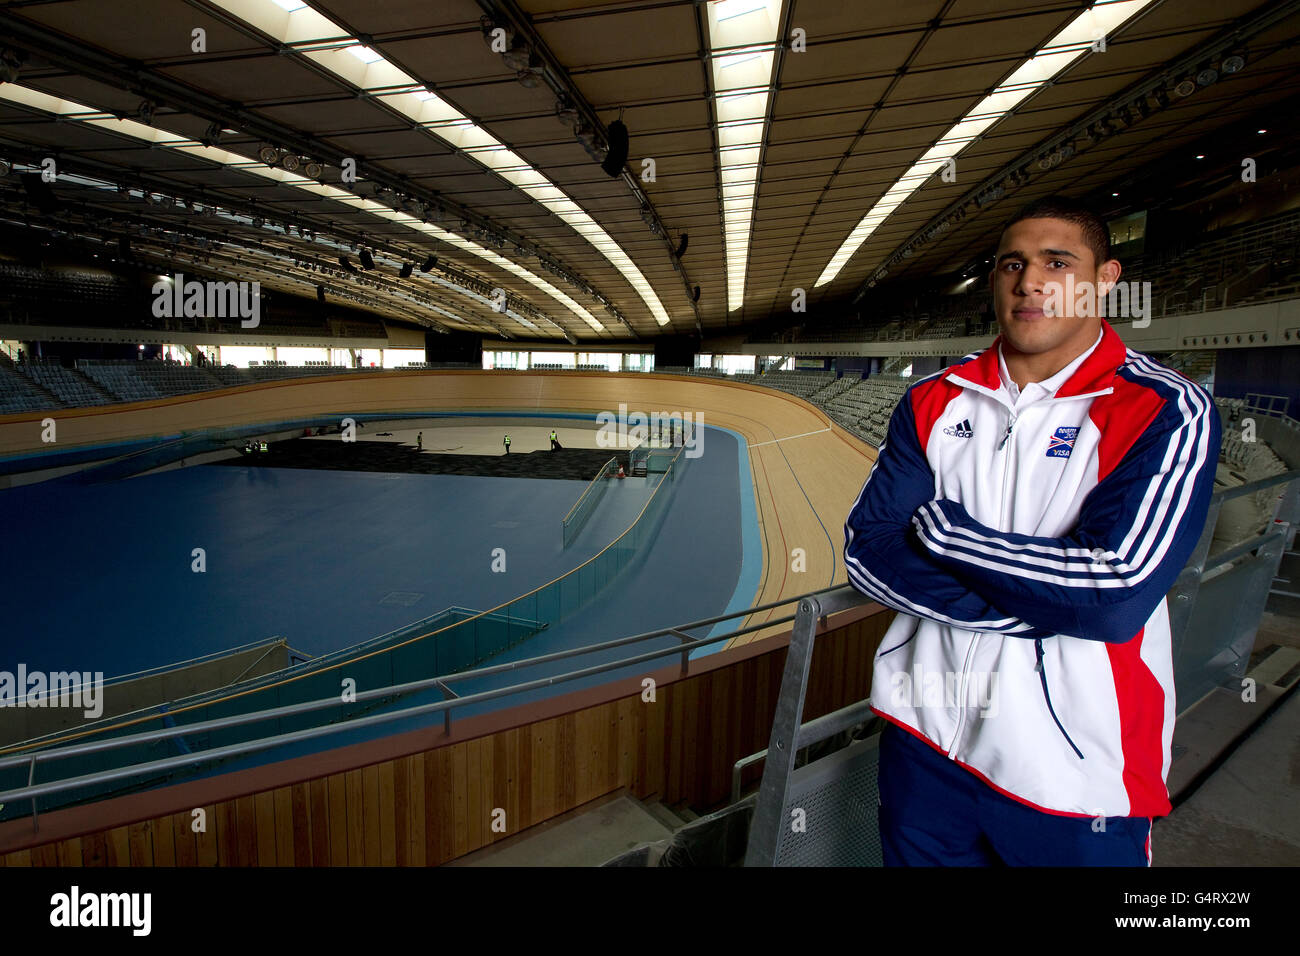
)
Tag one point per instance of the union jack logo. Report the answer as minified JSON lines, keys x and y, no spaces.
{"x":1062,"y":442}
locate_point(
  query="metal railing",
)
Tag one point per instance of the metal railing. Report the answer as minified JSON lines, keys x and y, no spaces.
{"x":1245,"y":569}
{"x":683,"y":643}
{"x":573,"y":522}
{"x":440,"y":650}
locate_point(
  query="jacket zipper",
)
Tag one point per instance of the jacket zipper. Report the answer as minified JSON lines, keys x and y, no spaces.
{"x":1042,"y":675}
{"x":961,"y":696}
{"x":1011,"y":423}
{"x":965,"y":670}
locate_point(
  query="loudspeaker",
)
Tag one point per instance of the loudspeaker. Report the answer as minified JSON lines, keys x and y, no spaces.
{"x":406,"y":270}
{"x":429,"y":263}
{"x":681,"y":246}
{"x":616,"y":158}
{"x":367,"y":260}
{"x":346,"y":263}
{"x":320,"y":294}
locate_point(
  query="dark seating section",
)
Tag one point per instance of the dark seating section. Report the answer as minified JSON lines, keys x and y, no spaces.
{"x":1241,"y":265}
{"x":19,"y":394}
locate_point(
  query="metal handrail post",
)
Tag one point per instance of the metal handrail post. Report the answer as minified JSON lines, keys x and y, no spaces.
{"x":769,"y":811}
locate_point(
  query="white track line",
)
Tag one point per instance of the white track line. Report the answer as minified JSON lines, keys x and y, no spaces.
{"x":788,"y":437}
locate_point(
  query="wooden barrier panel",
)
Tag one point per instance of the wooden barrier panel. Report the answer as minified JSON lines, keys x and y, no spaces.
{"x":423,"y":805}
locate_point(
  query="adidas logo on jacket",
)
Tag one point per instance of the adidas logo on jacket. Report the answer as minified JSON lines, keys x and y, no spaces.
{"x":1032,"y":538}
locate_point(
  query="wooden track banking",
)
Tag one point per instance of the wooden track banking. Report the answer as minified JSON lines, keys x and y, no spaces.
{"x":806,"y":470}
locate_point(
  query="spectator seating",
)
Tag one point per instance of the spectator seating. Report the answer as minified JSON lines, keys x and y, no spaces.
{"x":119,"y":379}
{"x":67,"y":385}
{"x":19,"y":394}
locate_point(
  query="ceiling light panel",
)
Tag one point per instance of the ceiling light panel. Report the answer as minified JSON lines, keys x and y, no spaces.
{"x":1062,"y":50}
{"x":72,"y":111}
{"x":326,"y":43}
{"x":742,"y":44}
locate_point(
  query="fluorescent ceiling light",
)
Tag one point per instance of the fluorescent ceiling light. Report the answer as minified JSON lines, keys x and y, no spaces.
{"x":730,"y":9}
{"x":317,"y":38}
{"x":1067,"y":46}
{"x":70,"y":110}
{"x":742,"y":47}
{"x":363,"y":53}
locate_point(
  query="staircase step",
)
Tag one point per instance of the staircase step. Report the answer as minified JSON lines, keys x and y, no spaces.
{"x":685,"y":812}
{"x":664,"y":815}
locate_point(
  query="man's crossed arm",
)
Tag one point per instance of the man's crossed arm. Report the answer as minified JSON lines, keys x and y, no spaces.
{"x":931,"y":559}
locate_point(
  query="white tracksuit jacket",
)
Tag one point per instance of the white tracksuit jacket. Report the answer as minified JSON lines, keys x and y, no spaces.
{"x":1029,"y":553}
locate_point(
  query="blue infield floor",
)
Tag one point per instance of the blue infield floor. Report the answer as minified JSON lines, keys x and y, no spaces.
{"x":100,"y":577}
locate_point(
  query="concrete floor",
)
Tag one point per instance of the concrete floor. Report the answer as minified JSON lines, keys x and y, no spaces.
{"x":1248,"y":812}
{"x":587,"y":836}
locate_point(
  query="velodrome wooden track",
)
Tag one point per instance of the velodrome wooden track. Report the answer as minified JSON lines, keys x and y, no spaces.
{"x":806,"y":469}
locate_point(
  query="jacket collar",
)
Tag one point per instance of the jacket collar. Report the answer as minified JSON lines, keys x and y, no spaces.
{"x":1096,"y":374}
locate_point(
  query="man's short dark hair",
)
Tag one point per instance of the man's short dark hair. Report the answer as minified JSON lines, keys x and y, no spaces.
{"x":1095,"y":232}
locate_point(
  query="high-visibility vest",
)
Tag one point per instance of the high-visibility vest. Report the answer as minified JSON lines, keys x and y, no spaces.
{"x":552,"y":435}
{"x":507,"y":439}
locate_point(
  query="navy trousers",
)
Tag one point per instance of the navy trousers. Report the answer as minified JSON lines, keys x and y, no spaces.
{"x":934,"y":812}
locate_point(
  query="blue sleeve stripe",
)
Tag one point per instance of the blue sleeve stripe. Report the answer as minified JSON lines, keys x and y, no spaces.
{"x":1192,"y":458}
{"x":864,"y":582}
{"x":1028,"y":566}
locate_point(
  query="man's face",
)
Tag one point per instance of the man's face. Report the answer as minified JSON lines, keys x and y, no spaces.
{"x":1033,"y":254}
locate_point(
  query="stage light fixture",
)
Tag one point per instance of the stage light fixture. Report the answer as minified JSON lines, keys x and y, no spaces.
{"x":518,"y":58}
{"x":566,"y":112}
{"x":269,"y":155}
{"x":313,"y":170}
{"x":11,"y":62}
{"x":1234,"y":63}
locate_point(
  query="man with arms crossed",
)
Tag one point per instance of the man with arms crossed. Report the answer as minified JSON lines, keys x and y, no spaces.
{"x":1027,"y":513}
